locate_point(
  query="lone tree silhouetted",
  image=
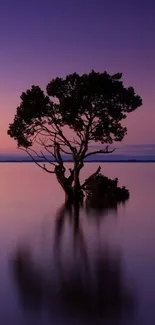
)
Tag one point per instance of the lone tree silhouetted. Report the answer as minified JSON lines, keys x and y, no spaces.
{"x":92,"y":106}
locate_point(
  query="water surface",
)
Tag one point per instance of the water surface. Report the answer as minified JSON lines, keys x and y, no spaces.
{"x":40,"y":236}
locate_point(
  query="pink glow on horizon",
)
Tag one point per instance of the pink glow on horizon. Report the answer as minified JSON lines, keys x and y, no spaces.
{"x":140,"y":126}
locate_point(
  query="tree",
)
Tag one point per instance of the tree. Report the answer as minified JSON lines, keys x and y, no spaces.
{"x":92,"y":106}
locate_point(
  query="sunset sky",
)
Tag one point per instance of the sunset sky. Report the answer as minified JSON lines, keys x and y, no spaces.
{"x":42,"y":39}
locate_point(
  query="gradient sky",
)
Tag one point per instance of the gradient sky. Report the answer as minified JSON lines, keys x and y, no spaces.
{"x":42,"y":39}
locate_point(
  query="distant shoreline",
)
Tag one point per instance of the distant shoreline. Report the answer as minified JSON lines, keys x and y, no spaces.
{"x":90,"y":161}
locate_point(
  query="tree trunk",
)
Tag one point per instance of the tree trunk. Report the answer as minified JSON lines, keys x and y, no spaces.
{"x":71,"y":186}
{"x":76,"y":181}
{"x":77,"y":192}
{"x":65,"y":184}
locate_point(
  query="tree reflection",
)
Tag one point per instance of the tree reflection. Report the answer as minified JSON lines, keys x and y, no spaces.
{"x":28,"y":278}
{"x":83,"y":286}
{"x":100,"y":206}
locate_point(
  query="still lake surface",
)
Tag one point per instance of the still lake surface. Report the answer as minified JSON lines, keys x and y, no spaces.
{"x":49,"y":263}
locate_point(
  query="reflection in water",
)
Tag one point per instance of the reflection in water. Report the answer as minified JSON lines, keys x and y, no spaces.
{"x":85,"y":286}
{"x":101,"y":210}
{"x":28,"y":278}
{"x":101,"y":205}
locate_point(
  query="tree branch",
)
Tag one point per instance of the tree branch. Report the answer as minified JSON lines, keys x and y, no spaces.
{"x":76,"y":142}
{"x":71,"y":176}
{"x":57,"y":153}
{"x":57,"y":132}
{"x":50,"y":162}
{"x":45,"y":147}
{"x":62,"y":135}
{"x":84,"y":143}
{"x":91,"y":177}
{"x":105,"y":151}
{"x":66,"y":152}
{"x":36,"y":162}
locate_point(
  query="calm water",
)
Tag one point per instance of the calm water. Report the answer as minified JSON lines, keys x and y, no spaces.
{"x":56,"y":269}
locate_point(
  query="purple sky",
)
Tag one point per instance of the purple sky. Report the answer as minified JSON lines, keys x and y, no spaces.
{"x":42,"y":39}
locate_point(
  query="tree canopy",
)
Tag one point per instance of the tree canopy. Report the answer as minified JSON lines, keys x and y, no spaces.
{"x":92,"y":105}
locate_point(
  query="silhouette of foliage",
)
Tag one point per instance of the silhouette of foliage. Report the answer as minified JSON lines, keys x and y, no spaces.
{"x":103,"y":192}
{"x":92,"y":105}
